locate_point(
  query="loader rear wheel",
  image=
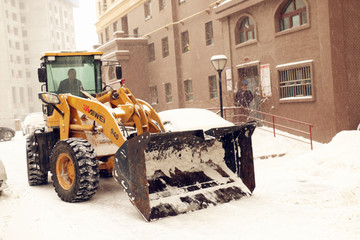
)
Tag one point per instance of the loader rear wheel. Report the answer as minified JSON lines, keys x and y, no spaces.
{"x":74,"y":169}
{"x":35,"y":175}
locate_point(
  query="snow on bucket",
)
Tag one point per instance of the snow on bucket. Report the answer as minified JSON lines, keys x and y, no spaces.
{"x":167,"y":174}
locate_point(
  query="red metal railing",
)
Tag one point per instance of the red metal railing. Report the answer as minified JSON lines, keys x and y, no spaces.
{"x":239,"y":115}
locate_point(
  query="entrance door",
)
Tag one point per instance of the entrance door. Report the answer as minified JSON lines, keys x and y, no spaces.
{"x":251,"y":76}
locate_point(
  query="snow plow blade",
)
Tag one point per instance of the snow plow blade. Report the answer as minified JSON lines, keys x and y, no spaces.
{"x":167,"y":174}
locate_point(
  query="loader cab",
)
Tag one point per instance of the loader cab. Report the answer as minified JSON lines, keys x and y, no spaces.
{"x":60,"y":66}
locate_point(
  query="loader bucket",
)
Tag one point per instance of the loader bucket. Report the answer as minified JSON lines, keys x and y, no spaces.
{"x":167,"y":174}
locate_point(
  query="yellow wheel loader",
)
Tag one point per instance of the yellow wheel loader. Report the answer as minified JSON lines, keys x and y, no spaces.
{"x":94,"y":130}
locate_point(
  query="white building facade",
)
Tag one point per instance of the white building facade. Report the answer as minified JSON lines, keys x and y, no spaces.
{"x":29,"y":28}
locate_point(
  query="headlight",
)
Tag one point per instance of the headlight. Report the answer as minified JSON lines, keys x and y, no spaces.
{"x":49,"y":98}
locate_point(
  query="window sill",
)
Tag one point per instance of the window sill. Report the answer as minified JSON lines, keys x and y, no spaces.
{"x":297,"y":99}
{"x":244,"y":44}
{"x":291,"y":30}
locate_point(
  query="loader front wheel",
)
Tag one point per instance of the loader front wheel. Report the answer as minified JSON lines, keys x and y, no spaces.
{"x":35,"y":174}
{"x":74,"y":169}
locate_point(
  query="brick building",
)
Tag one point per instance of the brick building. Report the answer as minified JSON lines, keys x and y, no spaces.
{"x":299,"y":57}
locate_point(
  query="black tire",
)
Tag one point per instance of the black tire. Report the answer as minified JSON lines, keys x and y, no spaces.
{"x":35,"y":175}
{"x":74,"y":169}
{"x":7,"y":135}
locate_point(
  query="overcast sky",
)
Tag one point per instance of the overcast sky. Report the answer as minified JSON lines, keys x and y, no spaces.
{"x":85,"y":18}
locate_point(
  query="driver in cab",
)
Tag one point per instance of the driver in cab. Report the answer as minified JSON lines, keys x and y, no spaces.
{"x":71,"y":84}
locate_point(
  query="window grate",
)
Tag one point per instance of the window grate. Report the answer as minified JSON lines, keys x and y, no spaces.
{"x":295,"y":82}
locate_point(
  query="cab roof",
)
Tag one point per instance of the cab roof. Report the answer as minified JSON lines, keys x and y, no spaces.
{"x":70,"y":53}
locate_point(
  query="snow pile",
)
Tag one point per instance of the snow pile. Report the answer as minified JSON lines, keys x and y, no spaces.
{"x":341,"y":154}
{"x":191,"y":119}
{"x":337,"y":164}
{"x":301,"y":195}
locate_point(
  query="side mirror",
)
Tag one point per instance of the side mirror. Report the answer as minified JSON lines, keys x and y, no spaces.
{"x":42,"y":75}
{"x":49,"y":98}
{"x":118,"y":72}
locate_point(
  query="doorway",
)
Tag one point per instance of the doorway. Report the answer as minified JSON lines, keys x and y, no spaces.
{"x":250,"y":74}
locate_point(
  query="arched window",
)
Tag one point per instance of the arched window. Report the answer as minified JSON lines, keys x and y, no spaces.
{"x":245,"y":30}
{"x":293,"y":15}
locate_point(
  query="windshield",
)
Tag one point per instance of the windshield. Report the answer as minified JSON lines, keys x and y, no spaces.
{"x":70,"y":74}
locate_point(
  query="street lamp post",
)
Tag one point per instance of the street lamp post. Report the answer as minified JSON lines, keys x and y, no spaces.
{"x":219,"y":62}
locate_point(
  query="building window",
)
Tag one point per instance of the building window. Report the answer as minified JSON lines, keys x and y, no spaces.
{"x":124,"y":25}
{"x":168,"y":93}
{"x":185,"y":42}
{"x":115,"y":26}
{"x":102,"y":38}
{"x":107,"y":34}
{"x":104,"y":5}
{"x":30,"y":94}
{"x":245,"y":30}
{"x":209,"y":35}
{"x":14,"y":95}
{"x":295,"y":82}
{"x":213,"y":87}
{"x":22,"y":99}
{"x":154,"y":95}
{"x":165,"y":47}
{"x":161,"y":4}
{"x":151,"y":47}
{"x":189,"y":96}
{"x":136,"y":32}
{"x":14,"y":16}
{"x":293,"y":15}
{"x":111,"y":73}
{"x":99,"y":8}
{"x":147,"y":9}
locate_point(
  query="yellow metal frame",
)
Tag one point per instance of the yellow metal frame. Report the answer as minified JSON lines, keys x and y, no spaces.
{"x":124,"y":109}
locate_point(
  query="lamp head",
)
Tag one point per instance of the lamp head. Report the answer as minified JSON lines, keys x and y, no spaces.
{"x":219,"y":62}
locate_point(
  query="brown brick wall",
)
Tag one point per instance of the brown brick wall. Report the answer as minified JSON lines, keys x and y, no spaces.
{"x":330,"y":40}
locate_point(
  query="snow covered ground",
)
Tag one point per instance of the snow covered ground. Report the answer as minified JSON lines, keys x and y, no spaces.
{"x":303,"y":194}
